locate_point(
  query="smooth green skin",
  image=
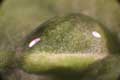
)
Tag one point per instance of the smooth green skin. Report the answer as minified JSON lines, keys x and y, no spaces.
{"x":64,"y":43}
{"x":16,"y":18}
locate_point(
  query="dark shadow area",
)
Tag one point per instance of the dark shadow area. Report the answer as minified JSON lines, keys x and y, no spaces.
{"x":1,"y":77}
{"x":118,"y":1}
{"x":118,"y":78}
{"x":106,"y":69}
{"x":112,"y":41}
{"x":1,"y":1}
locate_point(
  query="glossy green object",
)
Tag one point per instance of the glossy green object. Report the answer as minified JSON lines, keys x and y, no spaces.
{"x":70,"y":42}
{"x":19,"y":17}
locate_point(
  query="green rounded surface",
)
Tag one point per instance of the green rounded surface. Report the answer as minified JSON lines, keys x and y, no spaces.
{"x":70,"y":42}
{"x":73,"y":33}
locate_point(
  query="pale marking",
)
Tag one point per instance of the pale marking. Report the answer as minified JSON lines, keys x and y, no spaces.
{"x":96,"y":34}
{"x":34,"y":42}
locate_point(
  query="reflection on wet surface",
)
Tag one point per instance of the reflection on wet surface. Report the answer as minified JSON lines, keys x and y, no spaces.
{"x":96,"y":34}
{"x":34,"y":42}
